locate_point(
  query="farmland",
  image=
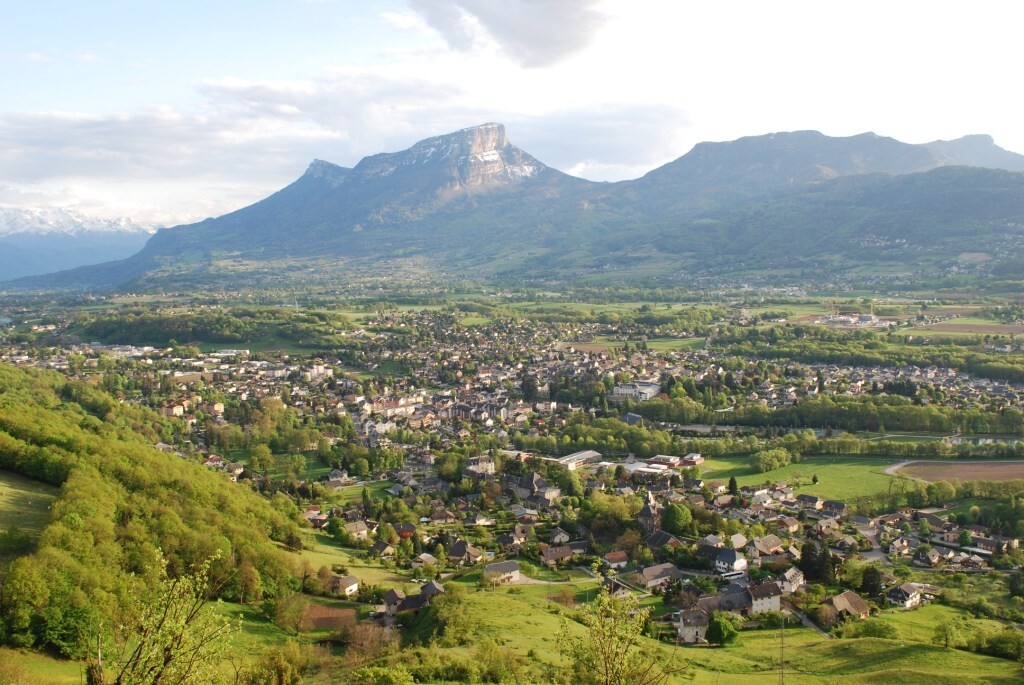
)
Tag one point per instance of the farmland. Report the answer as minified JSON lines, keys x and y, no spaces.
{"x":933,"y":471}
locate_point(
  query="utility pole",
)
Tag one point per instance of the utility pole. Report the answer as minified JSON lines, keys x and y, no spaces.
{"x":782,"y":652}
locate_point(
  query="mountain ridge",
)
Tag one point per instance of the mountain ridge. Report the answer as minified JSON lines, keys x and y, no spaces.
{"x":473,"y":202}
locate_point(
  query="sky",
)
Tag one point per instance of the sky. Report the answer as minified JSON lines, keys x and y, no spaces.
{"x":172,"y":111}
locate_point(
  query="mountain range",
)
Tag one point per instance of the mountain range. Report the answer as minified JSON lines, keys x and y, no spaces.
{"x":472,"y":205}
{"x":39,"y":241}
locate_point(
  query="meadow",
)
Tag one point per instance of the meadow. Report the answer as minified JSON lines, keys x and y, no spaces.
{"x":25,"y":503}
{"x":840,"y":478}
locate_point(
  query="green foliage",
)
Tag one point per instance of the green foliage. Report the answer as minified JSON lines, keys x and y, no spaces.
{"x":769,"y":460}
{"x":382,"y":675}
{"x":121,"y":500}
{"x":171,"y":635}
{"x":721,"y":630}
{"x":609,"y":653}
{"x":676,"y":519}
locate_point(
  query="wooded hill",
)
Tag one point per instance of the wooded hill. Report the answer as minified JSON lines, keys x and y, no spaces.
{"x":121,"y":500}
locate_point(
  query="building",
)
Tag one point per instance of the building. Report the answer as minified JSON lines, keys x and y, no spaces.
{"x":767,"y":597}
{"x":638,"y":392}
{"x":906,"y":595}
{"x":693,"y":626}
{"x":502,"y":572}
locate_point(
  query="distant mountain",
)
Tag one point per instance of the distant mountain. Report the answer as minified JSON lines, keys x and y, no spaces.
{"x":470,"y":204}
{"x":40,"y":241}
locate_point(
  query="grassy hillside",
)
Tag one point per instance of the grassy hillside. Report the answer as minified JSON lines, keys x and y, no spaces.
{"x":526,"y":624}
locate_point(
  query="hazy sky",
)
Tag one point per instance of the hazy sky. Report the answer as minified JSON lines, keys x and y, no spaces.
{"x":174,"y":111}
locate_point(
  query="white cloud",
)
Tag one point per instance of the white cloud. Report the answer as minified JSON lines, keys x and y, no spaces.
{"x":534,"y":33}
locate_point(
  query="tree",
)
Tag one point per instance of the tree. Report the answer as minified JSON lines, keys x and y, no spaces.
{"x":260,"y":458}
{"x":676,"y":519}
{"x":871,"y":582}
{"x":734,"y":489}
{"x":610,"y":652}
{"x":173,"y":636}
{"x":721,"y":631}
{"x":948,"y":633}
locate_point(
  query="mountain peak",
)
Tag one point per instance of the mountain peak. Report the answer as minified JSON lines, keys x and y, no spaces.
{"x":475,"y":156}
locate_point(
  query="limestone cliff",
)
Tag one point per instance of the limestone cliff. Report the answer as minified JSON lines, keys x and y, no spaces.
{"x":471,"y":158}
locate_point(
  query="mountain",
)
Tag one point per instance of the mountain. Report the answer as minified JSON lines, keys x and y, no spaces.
{"x":40,"y":241}
{"x":471,"y":204}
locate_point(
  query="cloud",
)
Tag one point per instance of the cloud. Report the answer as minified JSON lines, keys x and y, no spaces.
{"x":533,"y":33}
{"x":606,"y":142}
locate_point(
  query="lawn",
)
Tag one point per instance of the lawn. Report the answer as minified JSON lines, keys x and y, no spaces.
{"x":840,"y":478}
{"x":354,"y":493}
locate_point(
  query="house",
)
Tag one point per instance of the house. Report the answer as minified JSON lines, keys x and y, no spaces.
{"x":826,"y":528}
{"x":552,"y":555}
{"x":765,"y":546}
{"x":659,"y":538}
{"x":906,"y":595}
{"x":234,"y":470}
{"x":382,"y":549}
{"x":617,"y":559}
{"x":732,"y":598}
{"x":790,"y":580}
{"x":834,"y":508}
{"x":344,"y":585}
{"x":730,"y":561}
{"x":405,"y":530}
{"x":927,"y":557}
{"x":502,"y":572}
{"x":559,"y":536}
{"x":810,"y":502}
{"x":851,"y":604}
{"x":393,"y":600}
{"x":357,"y":529}
{"x":789,"y":524}
{"x":615,"y":588}
{"x":442,"y":516}
{"x":479,"y":520}
{"x":693,"y":626}
{"x":767,"y":597}
{"x":422,"y":560}
{"x":462,"y":552}
{"x":659,"y":574}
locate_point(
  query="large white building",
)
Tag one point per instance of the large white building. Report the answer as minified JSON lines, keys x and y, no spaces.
{"x":638,"y":392}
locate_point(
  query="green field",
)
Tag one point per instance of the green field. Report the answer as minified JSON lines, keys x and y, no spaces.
{"x":919,"y":624}
{"x":840,"y":478}
{"x":322,"y":550}
{"x":354,"y":493}
{"x":25,"y":503}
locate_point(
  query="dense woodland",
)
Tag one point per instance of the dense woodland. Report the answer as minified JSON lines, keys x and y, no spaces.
{"x":121,"y":501}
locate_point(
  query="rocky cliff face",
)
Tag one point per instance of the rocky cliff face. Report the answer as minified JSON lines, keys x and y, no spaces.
{"x":471,"y":158}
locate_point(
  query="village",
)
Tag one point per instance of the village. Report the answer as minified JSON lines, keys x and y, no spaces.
{"x":642,"y":524}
